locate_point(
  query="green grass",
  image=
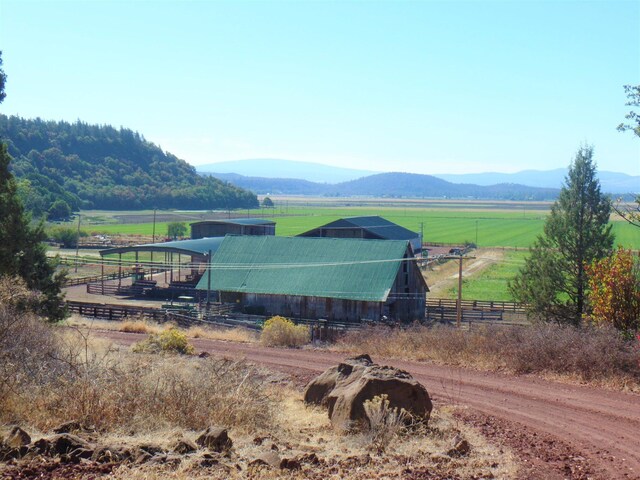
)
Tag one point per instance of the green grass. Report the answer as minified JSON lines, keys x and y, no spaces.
{"x":492,"y":283}
{"x":488,"y":227}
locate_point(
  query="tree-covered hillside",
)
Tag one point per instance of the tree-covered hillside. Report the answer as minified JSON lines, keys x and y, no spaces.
{"x":94,"y":166}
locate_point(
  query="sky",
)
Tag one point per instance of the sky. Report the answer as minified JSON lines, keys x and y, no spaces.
{"x":423,"y":87}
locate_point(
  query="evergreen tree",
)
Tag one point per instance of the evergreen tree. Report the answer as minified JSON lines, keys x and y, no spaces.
{"x":577,"y":232}
{"x":22,"y":253}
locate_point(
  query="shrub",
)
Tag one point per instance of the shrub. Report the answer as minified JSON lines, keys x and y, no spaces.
{"x":385,"y":422}
{"x":171,"y":340}
{"x":597,"y":355}
{"x":282,"y":332}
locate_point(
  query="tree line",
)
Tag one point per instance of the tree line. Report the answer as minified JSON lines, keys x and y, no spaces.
{"x":98,"y":166}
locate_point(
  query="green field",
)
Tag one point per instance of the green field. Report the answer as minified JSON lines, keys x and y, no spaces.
{"x":492,"y":283}
{"x":452,"y":225}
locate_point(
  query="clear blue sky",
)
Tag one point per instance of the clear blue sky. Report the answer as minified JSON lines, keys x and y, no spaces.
{"x":425,"y":87}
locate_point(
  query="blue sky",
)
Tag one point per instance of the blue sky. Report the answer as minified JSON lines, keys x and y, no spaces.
{"x":425,"y":87}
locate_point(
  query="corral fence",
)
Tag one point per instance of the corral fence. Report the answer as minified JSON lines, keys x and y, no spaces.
{"x":475,"y":312}
{"x":220,"y":315}
{"x":70,"y":282}
{"x":483,"y":305}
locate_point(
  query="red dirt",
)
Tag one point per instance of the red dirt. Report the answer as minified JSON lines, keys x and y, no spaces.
{"x":558,"y":430}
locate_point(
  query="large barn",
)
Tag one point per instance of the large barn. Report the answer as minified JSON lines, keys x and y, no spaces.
{"x":370,"y":227}
{"x":233,"y":226}
{"x":333,"y":278}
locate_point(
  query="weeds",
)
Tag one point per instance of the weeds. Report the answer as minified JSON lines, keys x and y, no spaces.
{"x":170,"y":340}
{"x":282,"y":332}
{"x":600,"y":356}
{"x":385,"y":422}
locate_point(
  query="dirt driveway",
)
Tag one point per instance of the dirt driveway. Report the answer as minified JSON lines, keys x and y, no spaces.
{"x":559,"y":430}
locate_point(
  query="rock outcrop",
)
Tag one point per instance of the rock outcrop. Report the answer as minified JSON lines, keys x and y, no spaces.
{"x":345,"y":388}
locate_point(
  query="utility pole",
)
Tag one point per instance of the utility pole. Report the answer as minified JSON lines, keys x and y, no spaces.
{"x":459,"y":302}
{"x":209,"y":272}
{"x":476,"y":233}
{"x":153,"y":239}
{"x":460,"y":257}
{"x":77,"y":243}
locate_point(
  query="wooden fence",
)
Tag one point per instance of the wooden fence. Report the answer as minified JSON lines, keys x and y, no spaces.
{"x":483,"y":305}
{"x":70,"y":282}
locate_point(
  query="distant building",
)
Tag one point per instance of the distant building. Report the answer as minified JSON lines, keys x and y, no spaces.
{"x":340,"y":279}
{"x":370,"y":227}
{"x":234,"y":226}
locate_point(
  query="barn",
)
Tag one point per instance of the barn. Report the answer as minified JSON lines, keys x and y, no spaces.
{"x":341,"y":279}
{"x":370,"y":227}
{"x":233,"y":226}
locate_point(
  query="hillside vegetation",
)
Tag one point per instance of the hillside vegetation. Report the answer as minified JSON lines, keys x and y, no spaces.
{"x":98,"y":166}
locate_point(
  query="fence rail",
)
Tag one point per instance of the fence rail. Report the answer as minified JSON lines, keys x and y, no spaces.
{"x":484,"y":305}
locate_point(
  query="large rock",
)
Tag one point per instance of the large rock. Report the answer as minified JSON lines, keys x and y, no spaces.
{"x":215,"y":439}
{"x":17,"y":438}
{"x":343,"y":389}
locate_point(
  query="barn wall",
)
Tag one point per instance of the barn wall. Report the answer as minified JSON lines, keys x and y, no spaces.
{"x":313,"y":307}
{"x":407,"y":299}
{"x":214,"y":230}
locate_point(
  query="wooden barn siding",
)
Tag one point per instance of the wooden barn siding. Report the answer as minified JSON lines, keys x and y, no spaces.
{"x":314,"y":307}
{"x":214,"y":230}
{"x":412,"y":307}
{"x":220,"y":230}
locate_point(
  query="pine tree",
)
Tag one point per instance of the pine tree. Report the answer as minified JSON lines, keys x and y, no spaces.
{"x":22,"y":253}
{"x":577,"y":232}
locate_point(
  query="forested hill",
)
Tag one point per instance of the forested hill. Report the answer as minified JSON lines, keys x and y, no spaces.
{"x":95,"y":166}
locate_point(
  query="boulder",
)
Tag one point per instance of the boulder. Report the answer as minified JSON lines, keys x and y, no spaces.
{"x":319,"y":388}
{"x":17,"y":438}
{"x":184,"y":446}
{"x":116,"y":453}
{"x":345,"y":388}
{"x":68,"y":427}
{"x":215,"y":439}
{"x":64,"y":443}
{"x":267,"y":458}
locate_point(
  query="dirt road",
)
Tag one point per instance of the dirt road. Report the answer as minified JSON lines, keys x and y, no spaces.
{"x":561,"y":431}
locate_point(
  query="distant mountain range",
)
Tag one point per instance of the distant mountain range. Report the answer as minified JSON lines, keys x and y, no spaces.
{"x":610,"y":182}
{"x":395,"y":185}
{"x":263,"y":171}
{"x":276,"y":168}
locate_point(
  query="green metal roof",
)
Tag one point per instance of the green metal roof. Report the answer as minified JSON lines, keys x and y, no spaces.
{"x":381,"y":227}
{"x":200,"y":246}
{"x":351,"y":269}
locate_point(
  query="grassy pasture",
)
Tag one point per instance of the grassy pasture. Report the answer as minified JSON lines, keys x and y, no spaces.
{"x":515,"y":225}
{"x":492,"y":283}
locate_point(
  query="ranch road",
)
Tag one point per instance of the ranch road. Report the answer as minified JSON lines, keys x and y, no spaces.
{"x":559,"y":430}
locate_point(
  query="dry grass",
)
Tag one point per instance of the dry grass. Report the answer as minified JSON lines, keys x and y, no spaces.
{"x":597,"y":356}
{"x":303,"y":430}
{"x":76,"y":378}
{"x":142,"y":325}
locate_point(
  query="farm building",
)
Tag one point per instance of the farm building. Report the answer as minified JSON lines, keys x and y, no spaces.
{"x":234,"y":226}
{"x":333,"y":278}
{"x":370,"y":227}
{"x":188,"y":257}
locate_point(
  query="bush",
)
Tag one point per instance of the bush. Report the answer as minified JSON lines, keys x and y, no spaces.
{"x":171,"y":340}
{"x":597,"y":355}
{"x":67,"y":237}
{"x":385,"y":422}
{"x":282,"y":332}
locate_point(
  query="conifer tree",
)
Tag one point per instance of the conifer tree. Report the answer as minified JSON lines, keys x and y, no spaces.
{"x":553,"y":282}
{"x":22,"y":253}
